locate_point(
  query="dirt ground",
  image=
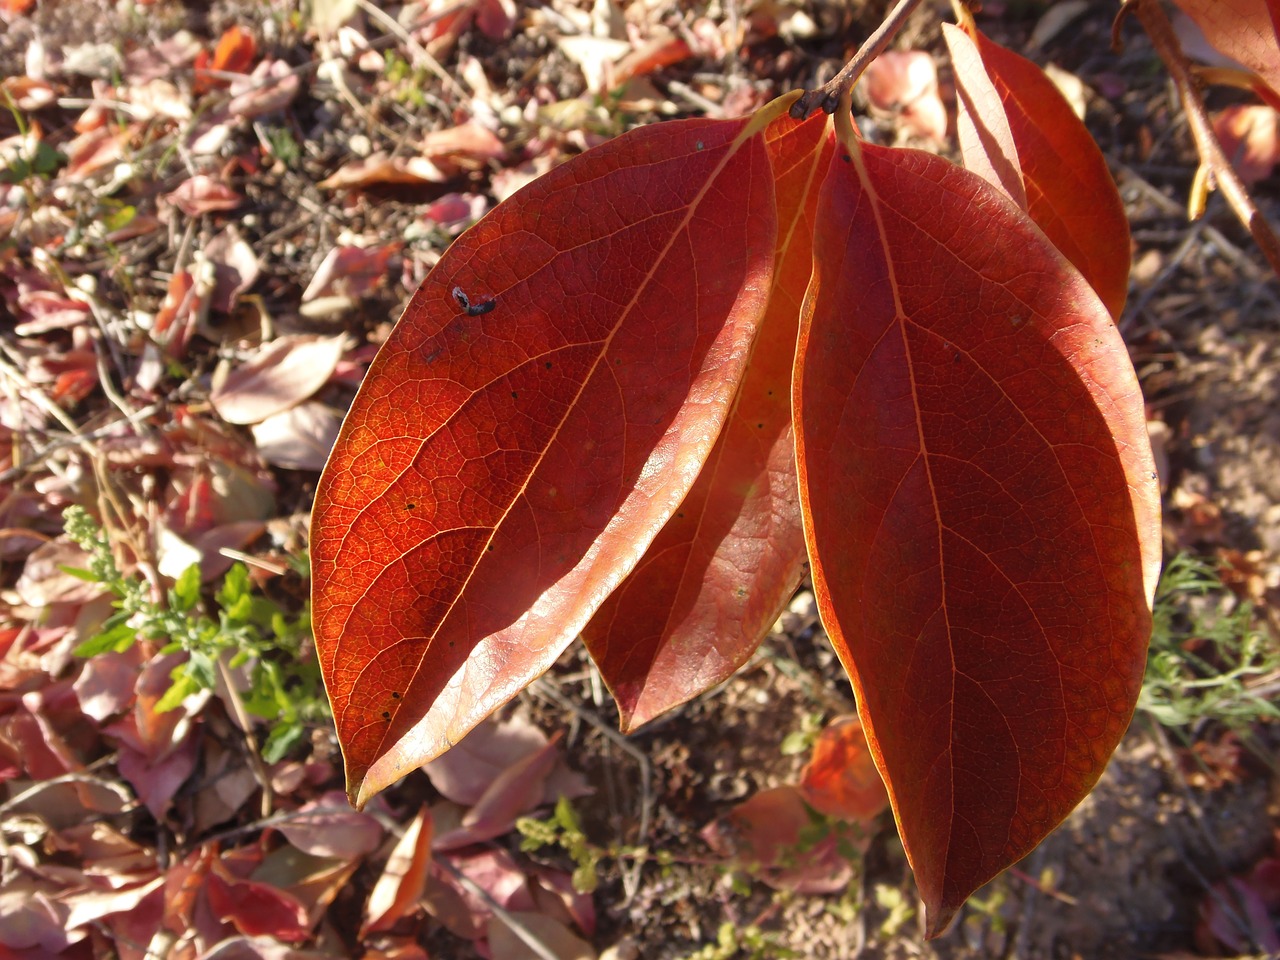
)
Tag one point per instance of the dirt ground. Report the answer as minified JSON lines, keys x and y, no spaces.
{"x":1127,"y":874}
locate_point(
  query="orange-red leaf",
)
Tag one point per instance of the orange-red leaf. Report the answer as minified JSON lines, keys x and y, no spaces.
{"x":540,"y":411}
{"x":1247,"y":31}
{"x":716,"y":577}
{"x":403,"y":878}
{"x":981,"y":507}
{"x":982,"y":127}
{"x":1069,"y":191}
{"x":840,"y":778}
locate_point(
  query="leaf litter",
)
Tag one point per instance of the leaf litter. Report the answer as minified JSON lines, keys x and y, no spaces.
{"x":184,"y":189}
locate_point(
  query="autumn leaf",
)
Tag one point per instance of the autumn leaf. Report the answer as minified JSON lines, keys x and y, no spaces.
{"x":1057,"y":171}
{"x":719,"y":573}
{"x":840,"y":778}
{"x":536,"y":417}
{"x":1247,"y":31}
{"x":980,"y":504}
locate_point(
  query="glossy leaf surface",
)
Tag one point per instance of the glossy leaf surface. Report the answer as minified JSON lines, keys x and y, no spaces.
{"x":537,"y":415}
{"x":981,"y":507}
{"x":716,"y":577}
{"x":982,"y":127}
{"x":1069,"y":191}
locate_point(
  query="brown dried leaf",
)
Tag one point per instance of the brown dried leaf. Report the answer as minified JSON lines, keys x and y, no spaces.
{"x":299,"y":438}
{"x":403,"y":878}
{"x":279,"y":375}
{"x":203,"y":194}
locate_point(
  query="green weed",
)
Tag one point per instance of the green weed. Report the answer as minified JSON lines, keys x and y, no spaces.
{"x":1205,"y":648}
{"x":285,"y":688}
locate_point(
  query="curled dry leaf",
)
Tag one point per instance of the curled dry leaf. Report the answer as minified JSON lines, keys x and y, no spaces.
{"x":271,"y":87}
{"x":403,"y":878}
{"x":106,"y":682}
{"x":454,"y":212}
{"x":328,"y":827}
{"x":279,"y":375}
{"x":467,"y":140}
{"x":516,"y":790}
{"x":906,"y":82}
{"x":235,"y":268}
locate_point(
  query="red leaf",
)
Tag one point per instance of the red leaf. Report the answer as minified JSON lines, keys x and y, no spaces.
{"x":981,"y":124}
{"x":981,"y":506}
{"x":234,"y":53}
{"x":403,"y":878}
{"x":537,"y":415}
{"x":1247,"y":31}
{"x":840,"y":778}
{"x":255,"y":908}
{"x":716,"y":577}
{"x":1069,"y":191}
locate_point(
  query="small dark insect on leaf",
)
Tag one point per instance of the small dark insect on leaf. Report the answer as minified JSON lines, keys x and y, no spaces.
{"x":473,"y":309}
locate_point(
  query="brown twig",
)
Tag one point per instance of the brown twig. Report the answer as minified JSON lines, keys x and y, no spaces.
{"x":1212,"y":156}
{"x":828,"y":96}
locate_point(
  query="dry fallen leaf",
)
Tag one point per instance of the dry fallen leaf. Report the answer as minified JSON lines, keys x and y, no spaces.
{"x":840,"y":778}
{"x":279,"y":375}
{"x":299,"y":438}
{"x":403,"y":878}
{"x":203,"y":194}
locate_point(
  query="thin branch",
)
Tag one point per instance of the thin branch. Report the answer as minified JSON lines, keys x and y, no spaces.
{"x":1158,"y":28}
{"x":828,"y":96}
{"x":512,"y":923}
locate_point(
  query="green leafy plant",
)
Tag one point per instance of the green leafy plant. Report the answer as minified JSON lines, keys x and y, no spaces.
{"x":562,"y":829}
{"x":1205,"y":648}
{"x":749,"y":942}
{"x":248,"y":629}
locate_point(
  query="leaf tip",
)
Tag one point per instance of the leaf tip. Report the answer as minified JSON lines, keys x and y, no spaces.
{"x":938,"y":919}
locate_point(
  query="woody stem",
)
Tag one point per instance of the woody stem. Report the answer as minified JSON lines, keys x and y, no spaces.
{"x":827,"y":97}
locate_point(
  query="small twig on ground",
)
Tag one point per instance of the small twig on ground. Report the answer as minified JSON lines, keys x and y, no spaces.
{"x":245,"y":723}
{"x":525,"y":935}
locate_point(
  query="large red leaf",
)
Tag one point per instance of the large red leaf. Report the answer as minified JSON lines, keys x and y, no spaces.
{"x":981,"y":507}
{"x":1069,"y":191}
{"x":716,"y":577}
{"x":537,"y":415}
